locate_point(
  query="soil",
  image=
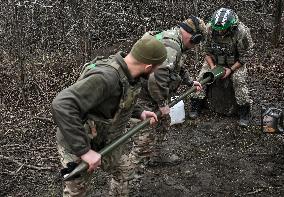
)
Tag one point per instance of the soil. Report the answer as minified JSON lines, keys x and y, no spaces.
{"x":218,"y":158}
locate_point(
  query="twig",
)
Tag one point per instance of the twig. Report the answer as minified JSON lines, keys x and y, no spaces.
{"x":12,"y":145}
{"x":256,"y":191}
{"x":40,"y":147}
{"x":19,"y":169}
{"x":43,"y":119}
{"x":259,"y":154}
{"x":26,"y":165}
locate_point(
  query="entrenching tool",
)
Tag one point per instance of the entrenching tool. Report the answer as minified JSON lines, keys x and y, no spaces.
{"x":208,"y":78}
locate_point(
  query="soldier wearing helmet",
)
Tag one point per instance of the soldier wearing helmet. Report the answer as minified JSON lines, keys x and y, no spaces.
{"x":229,"y":44}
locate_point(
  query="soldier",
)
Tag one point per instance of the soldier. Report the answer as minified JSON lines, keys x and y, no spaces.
{"x":229,"y":45}
{"x":94,"y":111}
{"x":163,"y":83}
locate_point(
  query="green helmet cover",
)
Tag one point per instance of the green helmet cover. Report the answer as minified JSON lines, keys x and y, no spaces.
{"x":223,"y":18}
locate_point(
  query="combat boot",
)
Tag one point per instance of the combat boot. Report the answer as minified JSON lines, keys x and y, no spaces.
{"x":195,"y":108}
{"x":244,"y":112}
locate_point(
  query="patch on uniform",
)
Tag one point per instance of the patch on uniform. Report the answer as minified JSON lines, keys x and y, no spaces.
{"x":159,"y":36}
{"x":92,"y":65}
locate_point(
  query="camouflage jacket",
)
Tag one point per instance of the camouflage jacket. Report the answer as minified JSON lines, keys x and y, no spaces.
{"x":226,"y":50}
{"x":97,"y":95}
{"x":167,"y":77}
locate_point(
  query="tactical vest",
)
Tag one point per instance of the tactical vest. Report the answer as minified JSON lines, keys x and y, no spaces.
{"x":104,"y":131}
{"x":224,"y":50}
{"x":167,"y":38}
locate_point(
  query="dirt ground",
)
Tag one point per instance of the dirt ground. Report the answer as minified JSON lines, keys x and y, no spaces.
{"x":217,"y":157}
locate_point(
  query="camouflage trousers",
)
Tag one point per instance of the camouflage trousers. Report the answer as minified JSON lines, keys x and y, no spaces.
{"x":119,"y":165}
{"x":239,"y":84}
{"x":148,"y":142}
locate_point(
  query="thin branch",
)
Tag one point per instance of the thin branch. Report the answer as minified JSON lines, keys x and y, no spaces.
{"x":44,"y":119}
{"x":23,"y":164}
{"x":255,"y":191}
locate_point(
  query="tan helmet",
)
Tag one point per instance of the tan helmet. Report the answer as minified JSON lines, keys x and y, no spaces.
{"x":149,"y":50}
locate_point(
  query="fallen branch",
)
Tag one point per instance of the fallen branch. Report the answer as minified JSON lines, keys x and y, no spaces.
{"x":254,"y":192}
{"x":43,"y":119}
{"x":41,"y":147}
{"x":23,"y":164}
{"x":249,"y":1}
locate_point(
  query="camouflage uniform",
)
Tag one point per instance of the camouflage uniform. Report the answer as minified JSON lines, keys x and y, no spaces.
{"x":103,"y":122}
{"x":156,"y":92}
{"x":225,"y":51}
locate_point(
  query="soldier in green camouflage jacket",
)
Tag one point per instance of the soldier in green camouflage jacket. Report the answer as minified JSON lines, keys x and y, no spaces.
{"x":94,"y":111}
{"x":229,"y":44}
{"x":163,"y":83}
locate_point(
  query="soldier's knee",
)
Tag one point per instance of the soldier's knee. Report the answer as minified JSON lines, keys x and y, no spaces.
{"x":76,"y":188}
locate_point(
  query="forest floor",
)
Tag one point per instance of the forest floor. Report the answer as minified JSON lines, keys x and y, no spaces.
{"x":218,"y":158}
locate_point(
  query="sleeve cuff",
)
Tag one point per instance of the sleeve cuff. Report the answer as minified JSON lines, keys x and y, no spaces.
{"x":162,"y":103}
{"x":82,"y":151}
{"x":189,"y":83}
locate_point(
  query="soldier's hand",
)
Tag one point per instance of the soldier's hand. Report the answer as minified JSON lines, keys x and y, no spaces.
{"x":213,"y":66}
{"x":148,"y":114}
{"x":165,"y":110}
{"x":227,"y":73}
{"x":197,"y":85}
{"x":93,"y":159}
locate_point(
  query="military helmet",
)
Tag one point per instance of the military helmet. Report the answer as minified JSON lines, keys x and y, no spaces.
{"x":223,"y":19}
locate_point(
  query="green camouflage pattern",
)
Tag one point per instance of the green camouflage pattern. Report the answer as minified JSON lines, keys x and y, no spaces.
{"x":102,"y":132}
{"x":167,"y":77}
{"x":226,"y":50}
{"x":240,"y":85}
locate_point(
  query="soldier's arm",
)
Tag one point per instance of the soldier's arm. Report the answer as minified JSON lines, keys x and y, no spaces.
{"x":184,"y":74}
{"x":158,"y":85}
{"x":158,"y":82}
{"x":186,"y":79}
{"x":210,"y":61}
{"x":207,"y":52}
{"x":137,"y":111}
{"x":244,"y":45}
{"x":71,"y":105}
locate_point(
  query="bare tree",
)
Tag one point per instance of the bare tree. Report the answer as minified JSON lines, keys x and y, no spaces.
{"x":277,"y":22}
{"x":195,"y":5}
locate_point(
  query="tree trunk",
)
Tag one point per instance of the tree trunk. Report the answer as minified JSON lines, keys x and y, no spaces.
{"x":19,"y":40}
{"x":196,"y":49}
{"x":277,"y":22}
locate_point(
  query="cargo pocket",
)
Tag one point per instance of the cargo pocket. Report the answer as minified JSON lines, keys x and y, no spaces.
{"x":91,"y":128}
{"x":98,"y":132}
{"x":230,"y":60}
{"x":221,"y":60}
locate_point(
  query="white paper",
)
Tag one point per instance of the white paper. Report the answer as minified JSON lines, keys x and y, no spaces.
{"x":177,"y":113}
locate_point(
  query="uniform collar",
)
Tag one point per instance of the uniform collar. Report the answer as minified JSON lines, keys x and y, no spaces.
{"x":119,"y":59}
